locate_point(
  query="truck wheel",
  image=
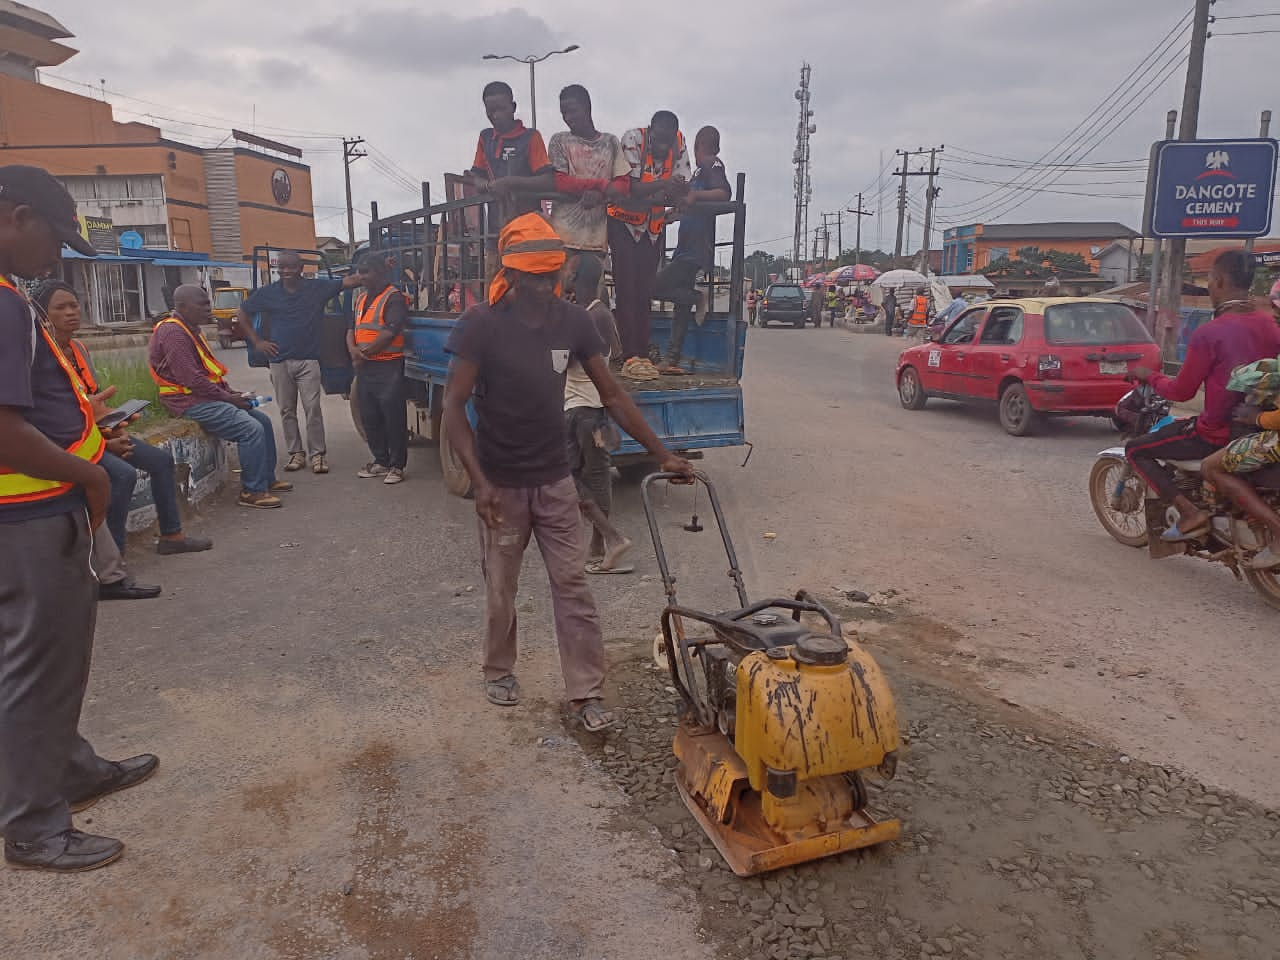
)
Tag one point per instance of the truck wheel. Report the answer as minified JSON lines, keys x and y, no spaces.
{"x":353,"y":402}
{"x":456,"y":479}
{"x":1017,"y":415}
{"x":910,"y":390}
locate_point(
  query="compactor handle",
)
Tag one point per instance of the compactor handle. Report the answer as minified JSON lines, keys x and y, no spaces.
{"x":668,"y":581}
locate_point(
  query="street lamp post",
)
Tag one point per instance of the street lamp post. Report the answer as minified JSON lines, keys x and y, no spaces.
{"x":532,"y":61}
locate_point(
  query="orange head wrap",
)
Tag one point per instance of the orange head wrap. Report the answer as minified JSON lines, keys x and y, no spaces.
{"x":527,"y":244}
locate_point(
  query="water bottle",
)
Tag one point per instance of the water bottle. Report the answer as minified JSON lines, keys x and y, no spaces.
{"x":256,"y":402}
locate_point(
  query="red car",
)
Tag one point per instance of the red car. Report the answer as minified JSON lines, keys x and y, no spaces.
{"x":1040,"y":356}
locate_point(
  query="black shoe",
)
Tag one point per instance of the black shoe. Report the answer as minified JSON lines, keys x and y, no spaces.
{"x":185,"y":545}
{"x":68,"y":852}
{"x":126,"y":590}
{"x":127,"y":773}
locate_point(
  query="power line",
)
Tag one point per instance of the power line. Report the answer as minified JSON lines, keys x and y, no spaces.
{"x":1106,"y":109}
{"x":1085,"y":141}
{"x":1240,"y":33}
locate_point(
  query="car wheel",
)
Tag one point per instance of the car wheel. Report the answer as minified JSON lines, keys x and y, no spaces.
{"x":910,"y":390}
{"x":1017,"y":415}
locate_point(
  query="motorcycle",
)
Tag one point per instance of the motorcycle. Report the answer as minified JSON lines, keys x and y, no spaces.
{"x":1136,"y":515}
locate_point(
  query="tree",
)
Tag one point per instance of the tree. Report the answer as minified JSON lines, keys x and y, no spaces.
{"x":1032,"y":263}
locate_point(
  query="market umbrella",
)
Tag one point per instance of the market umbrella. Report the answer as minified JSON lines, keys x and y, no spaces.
{"x":854,"y":273}
{"x":901,"y":278}
{"x":816,"y":279}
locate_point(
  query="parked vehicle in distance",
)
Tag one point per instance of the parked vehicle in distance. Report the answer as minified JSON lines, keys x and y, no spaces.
{"x":226,"y":305}
{"x":784,"y":303}
{"x":1033,"y":357}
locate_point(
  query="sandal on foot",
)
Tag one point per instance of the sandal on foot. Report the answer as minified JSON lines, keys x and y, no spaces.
{"x":592,"y":715}
{"x":598,"y":567}
{"x":1174,"y":535}
{"x":505,"y":692}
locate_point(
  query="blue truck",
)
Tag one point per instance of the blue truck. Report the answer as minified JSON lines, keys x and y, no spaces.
{"x":440,"y":254}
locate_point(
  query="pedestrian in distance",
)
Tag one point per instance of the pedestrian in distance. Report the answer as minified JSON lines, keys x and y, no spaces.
{"x":817,"y":299}
{"x":592,"y":434}
{"x":292,"y":309}
{"x":890,"y":307}
{"x":53,"y":494}
{"x":659,"y":178}
{"x":695,"y":248}
{"x":193,"y":384}
{"x":58,"y":305}
{"x":512,"y":355}
{"x":376,"y":344}
{"x":589,"y":166}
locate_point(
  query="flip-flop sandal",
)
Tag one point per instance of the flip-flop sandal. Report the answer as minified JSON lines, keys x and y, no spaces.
{"x":1174,"y":535}
{"x":597,"y":567}
{"x":592,"y":715}
{"x":671,"y":370}
{"x":504,"y":692}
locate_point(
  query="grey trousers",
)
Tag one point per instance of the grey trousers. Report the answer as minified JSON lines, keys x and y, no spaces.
{"x":293,"y":380}
{"x":48,"y":607}
{"x":550,"y":515}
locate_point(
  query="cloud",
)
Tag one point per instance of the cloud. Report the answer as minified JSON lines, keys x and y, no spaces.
{"x":410,"y":40}
{"x":284,"y":74}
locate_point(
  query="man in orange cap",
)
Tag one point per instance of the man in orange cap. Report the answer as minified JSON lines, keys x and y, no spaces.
{"x":516,"y":350}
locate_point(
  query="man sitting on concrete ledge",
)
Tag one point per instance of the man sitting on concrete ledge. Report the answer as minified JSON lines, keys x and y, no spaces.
{"x":193,"y":385}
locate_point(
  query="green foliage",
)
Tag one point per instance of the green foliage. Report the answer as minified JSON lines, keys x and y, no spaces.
{"x":1029,"y":263}
{"x":126,"y":370}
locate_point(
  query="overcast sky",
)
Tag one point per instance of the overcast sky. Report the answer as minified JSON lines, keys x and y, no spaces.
{"x":1009,"y":78}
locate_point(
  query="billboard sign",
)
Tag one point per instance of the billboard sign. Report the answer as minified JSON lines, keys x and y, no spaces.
{"x":1210,"y":188}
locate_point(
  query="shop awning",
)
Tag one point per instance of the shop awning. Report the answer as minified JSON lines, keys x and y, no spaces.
{"x":158,"y":260}
{"x":169,"y":262}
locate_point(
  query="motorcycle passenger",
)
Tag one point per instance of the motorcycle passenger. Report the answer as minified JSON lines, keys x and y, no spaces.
{"x":1238,"y":333}
{"x":1246,"y":455}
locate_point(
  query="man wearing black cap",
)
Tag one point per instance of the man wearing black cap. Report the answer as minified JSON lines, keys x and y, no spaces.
{"x":52,"y":496}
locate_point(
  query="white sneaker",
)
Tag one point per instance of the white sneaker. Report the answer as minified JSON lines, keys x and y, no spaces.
{"x":371,"y":470}
{"x":394,"y":475}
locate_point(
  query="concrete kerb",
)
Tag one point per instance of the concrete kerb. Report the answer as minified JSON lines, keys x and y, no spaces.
{"x":202,"y":468}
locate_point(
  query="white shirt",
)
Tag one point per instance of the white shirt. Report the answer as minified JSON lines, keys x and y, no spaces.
{"x":579,"y":390}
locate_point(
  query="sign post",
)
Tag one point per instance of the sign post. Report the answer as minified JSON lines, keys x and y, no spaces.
{"x":1211,"y":188}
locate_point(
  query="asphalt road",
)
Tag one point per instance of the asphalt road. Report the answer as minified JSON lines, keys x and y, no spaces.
{"x":333,"y":783}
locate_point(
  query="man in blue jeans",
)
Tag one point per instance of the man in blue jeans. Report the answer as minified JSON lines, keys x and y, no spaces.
{"x":193,"y":385}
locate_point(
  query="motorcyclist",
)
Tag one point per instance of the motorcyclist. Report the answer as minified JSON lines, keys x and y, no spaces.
{"x":1238,"y":333}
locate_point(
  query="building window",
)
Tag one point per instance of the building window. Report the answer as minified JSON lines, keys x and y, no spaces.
{"x":180,"y":229}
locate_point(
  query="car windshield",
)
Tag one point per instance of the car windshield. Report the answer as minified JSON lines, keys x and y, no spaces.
{"x":227,"y":299}
{"x":1093,"y":324}
{"x":784,"y":293}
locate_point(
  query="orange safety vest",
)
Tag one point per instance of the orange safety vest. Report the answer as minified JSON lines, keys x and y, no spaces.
{"x":18,"y":487}
{"x":657,"y":216}
{"x":83,"y":370}
{"x":919,"y":312}
{"x":369,"y":323}
{"x":213,"y":369}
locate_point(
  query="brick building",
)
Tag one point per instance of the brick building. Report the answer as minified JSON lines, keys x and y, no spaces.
{"x":971,"y":248}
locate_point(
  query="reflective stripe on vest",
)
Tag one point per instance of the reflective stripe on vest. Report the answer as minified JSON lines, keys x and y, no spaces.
{"x":20,"y":488}
{"x":369,"y":324}
{"x":212,"y":368}
{"x":657,"y":216}
{"x":920,"y":311}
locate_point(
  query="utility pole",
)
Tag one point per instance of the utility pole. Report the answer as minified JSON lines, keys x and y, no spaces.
{"x":805,"y":128}
{"x":1157,"y":249}
{"x":859,"y":213}
{"x":351,"y":152}
{"x":931,"y":194}
{"x":902,"y":187}
{"x":1264,"y":130}
{"x":1188,"y":127}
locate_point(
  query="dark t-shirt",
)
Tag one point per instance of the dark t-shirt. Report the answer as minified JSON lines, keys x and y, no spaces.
{"x":520,"y":436}
{"x":293,"y":319}
{"x":697,"y":242}
{"x":38,"y":388}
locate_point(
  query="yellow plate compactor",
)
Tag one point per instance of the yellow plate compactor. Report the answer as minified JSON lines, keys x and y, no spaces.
{"x":780,"y":721}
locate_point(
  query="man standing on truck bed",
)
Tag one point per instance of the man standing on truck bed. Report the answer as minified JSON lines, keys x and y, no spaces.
{"x":696,"y":247}
{"x":660,"y":174}
{"x":294,"y":308}
{"x":589,"y":165}
{"x":510,"y":157}
{"x":376,"y":344}
{"x":512,"y":354}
